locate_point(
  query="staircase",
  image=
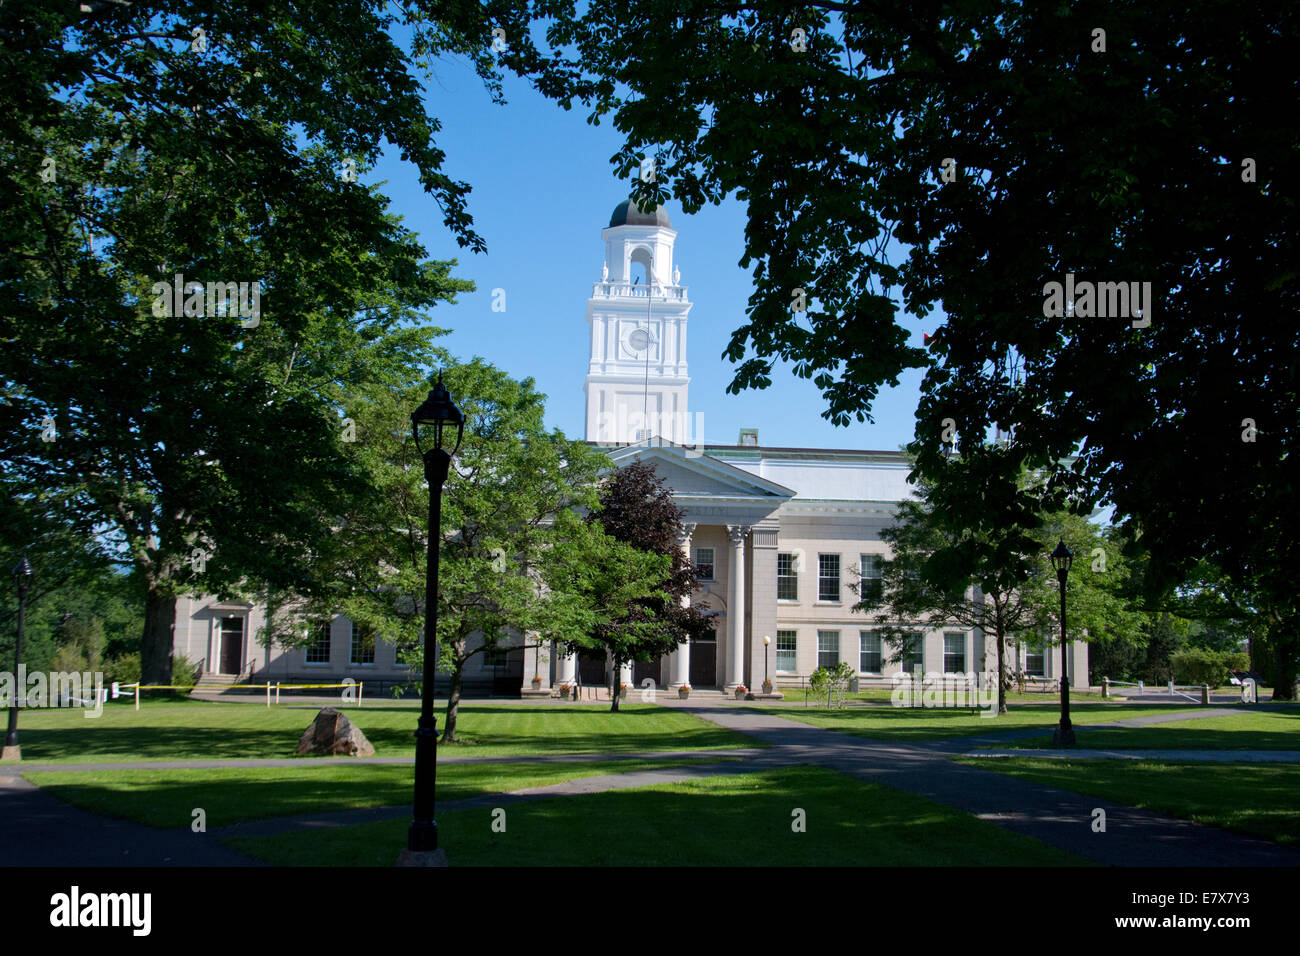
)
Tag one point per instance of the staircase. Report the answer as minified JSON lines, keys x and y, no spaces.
{"x":214,"y":684}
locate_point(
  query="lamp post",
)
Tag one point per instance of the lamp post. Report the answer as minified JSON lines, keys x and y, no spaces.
{"x":1062,"y":558}
{"x":438,"y":415}
{"x":23,"y":579}
{"x":767,"y":641}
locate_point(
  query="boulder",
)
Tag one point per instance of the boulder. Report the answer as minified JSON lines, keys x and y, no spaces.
{"x":332,"y":733}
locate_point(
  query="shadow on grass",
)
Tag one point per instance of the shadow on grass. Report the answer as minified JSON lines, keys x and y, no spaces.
{"x":742,"y":820}
{"x":238,"y":731}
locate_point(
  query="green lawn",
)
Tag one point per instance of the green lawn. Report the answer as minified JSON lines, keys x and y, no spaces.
{"x":1247,"y":730}
{"x":167,"y":798}
{"x":905,"y":724}
{"x":742,"y":820}
{"x":214,"y":730}
{"x":1259,"y":799}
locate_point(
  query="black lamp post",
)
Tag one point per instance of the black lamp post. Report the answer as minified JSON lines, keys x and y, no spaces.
{"x":437,"y":415}
{"x":1062,"y":558}
{"x":23,"y":579}
{"x":767,"y":642}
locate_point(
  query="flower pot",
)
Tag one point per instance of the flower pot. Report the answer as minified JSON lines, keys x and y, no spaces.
{"x":767,"y":688}
{"x":683,"y":692}
{"x":740,"y":693}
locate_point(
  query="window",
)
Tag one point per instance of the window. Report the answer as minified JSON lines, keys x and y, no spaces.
{"x":787,"y":580}
{"x":494,"y":658}
{"x":318,"y":651}
{"x":1034,"y":658}
{"x":704,"y":564}
{"x":870,"y":657}
{"x":363,"y":644}
{"x":828,"y":648}
{"x":872,"y":587}
{"x":954,"y":653}
{"x":828,"y":577}
{"x":913,"y":651}
{"x":786,"y":657}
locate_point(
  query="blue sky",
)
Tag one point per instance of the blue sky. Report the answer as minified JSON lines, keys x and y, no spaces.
{"x":543,"y":188}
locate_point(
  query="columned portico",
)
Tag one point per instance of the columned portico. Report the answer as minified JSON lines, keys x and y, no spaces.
{"x":736,"y":608}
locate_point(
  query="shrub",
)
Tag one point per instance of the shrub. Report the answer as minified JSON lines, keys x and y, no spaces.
{"x":125,"y":669}
{"x":1197,"y":665}
{"x":185,"y":672}
{"x":833,"y":682}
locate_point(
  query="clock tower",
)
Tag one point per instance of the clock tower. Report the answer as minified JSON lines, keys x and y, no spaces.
{"x":636,"y":324}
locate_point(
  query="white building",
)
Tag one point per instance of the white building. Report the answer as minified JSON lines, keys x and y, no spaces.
{"x":778,"y":535}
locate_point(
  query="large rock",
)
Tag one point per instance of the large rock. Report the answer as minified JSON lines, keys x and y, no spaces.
{"x":332,"y":733}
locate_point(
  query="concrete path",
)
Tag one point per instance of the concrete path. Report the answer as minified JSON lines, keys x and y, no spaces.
{"x":37,"y":829}
{"x":1056,"y":817}
{"x":1209,"y":756}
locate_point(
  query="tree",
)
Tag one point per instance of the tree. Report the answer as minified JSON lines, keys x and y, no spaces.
{"x":507,"y":483}
{"x":846,"y":126}
{"x":944,"y":572}
{"x":636,"y":509}
{"x":201,"y":448}
{"x":605,"y":594}
{"x":1099,"y":609}
{"x":998,"y":580}
{"x":834,"y":681}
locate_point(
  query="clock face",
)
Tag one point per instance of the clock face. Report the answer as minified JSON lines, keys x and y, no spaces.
{"x":638,"y":340}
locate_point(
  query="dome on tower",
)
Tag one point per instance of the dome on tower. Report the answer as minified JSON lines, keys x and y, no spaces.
{"x":628,"y":213}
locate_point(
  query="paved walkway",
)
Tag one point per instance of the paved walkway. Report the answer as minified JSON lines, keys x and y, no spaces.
{"x":1209,"y":756}
{"x":36,"y":828}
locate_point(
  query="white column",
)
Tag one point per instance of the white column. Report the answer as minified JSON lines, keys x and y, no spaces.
{"x":679,"y":662}
{"x":568,"y":668}
{"x":625,"y":675}
{"x":736,"y":608}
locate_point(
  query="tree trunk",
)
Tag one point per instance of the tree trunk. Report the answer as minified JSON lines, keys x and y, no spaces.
{"x":453,"y":705}
{"x":1282,"y":639}
{"x":615,"y":685}
{"x":156,"y":641}
{"x":1002,"y":674}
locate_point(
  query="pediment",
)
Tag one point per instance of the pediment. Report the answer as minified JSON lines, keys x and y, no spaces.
{"x":700,"y":476}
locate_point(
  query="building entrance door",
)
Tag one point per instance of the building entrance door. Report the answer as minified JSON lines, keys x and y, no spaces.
{"x":643,"y":669}
{"x":232,"y":645}
{"x":591,"y":670}
{"x":704,"y":663}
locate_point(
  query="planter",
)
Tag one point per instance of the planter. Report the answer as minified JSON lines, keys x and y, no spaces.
{"x":537,"y":682}
{"x":622,"y":692}
{"x":767,"y":688}
{"x":741,"y":692}
{"x":683,"y":692}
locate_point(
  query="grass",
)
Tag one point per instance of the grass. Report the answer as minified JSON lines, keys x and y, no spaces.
{"x":1247,"y":730}
{"x":212,"y":730}
{"x":743,"y":820}
{"x":906,"y":724}
{"x":1259,"y":799}
{"x":167,"y":798}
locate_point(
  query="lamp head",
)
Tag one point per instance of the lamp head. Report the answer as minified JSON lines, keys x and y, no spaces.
{"x":1062,"y":558}
{"x":766,"y":640}
{"x":438,"y":415}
